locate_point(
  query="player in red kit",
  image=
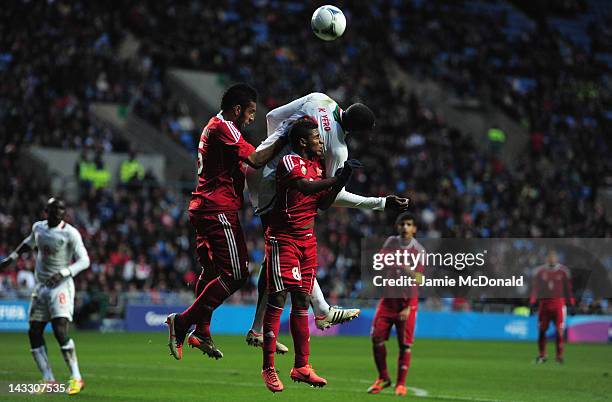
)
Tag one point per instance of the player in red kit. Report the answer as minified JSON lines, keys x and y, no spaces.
{"x":398,"y":311}
{"x":291,"y":246}
{"x":213,"y":212}
{"x":552,"y":287}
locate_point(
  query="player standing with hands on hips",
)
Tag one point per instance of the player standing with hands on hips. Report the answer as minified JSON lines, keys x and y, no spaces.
{"x":53,"y":298}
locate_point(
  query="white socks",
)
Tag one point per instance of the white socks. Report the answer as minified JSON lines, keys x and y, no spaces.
{"x":70,"y":358}
{"x":42,"y":361}
{"x":259,"y":315}
{"x":319,"y":305}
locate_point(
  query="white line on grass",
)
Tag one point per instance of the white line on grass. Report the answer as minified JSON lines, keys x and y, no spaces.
{"x":416,"y":391}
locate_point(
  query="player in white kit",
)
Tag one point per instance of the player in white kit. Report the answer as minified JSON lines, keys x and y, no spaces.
{"x":334,"y":124}
{"x":58,"y":243}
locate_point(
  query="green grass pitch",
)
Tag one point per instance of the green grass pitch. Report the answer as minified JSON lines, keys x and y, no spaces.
{"x":137,"y":367}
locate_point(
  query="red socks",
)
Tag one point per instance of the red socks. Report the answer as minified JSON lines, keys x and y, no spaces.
{"x":542,"y":343}
{"x":271,"y":326}
{"x":200,"y":311}
{"x":403,"y":363}
{"x":559,"y":343}
{"x":301,"y":335}
{"x":380,"y":358}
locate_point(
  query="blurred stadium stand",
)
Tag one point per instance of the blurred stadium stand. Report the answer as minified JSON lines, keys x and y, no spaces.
{"x":115,"y":76}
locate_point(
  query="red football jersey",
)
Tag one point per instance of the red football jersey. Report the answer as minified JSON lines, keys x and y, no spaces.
{"x":293,"y":210}
{"x":552,"y":285}
{"x":411,"y":293}
{"x":221,"y":153}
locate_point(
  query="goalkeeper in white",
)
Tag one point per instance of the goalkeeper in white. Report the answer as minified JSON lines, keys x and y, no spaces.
{"x":334,"y":125}
{"x":53,"y":298}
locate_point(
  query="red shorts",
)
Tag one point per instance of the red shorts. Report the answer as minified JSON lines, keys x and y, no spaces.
{"x":556,"y":314}
{"x":292,"y":263}
{"x":385,"y":318}
{"x":220,"y":245}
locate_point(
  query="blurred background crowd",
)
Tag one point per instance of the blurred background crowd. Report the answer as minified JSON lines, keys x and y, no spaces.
{"x":546,"y":65}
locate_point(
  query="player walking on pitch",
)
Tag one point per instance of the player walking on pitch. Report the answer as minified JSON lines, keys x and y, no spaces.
{"x":291,"y":247}
{"x":552,"y":286}
{"x":213,"y":212}
{"x":333,"y":124}
{"x":53,"y":297}
{"x":398,"y":311}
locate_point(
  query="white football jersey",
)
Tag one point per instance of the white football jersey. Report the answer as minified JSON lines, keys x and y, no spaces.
{"x":322,"y":108}
{"x":57,"y":247}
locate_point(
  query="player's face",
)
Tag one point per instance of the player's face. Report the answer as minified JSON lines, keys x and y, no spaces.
{"x":247,"y":115}
{"x":406,"y":229}
{"x":314,"y":143}
{"x":552,"y":259}
{"x":55,"y":212}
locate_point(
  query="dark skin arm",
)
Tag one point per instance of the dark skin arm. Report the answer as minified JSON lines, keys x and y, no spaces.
{"x":24,"y":248}
{"x":258,"y":159}
{"x":312,"y":187}
{"x":334,"y":184}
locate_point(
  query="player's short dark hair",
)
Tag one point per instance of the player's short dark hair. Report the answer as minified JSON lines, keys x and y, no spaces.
{"x":405,"y":216}
{"x":358,"y":117}
{"x":301,"y":128}
{"x":238,"y":94}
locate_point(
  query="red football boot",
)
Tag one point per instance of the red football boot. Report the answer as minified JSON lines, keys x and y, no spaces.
{"x":379,"y":385}
{"x":270,"y":377}
{"x":307,"y":374}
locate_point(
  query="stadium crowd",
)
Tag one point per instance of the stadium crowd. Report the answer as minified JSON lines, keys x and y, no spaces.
{"x":140,"y":240}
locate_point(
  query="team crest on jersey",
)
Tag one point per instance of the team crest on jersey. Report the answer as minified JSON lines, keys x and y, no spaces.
{"x":319,"y":171}
{"x":304,"y":170}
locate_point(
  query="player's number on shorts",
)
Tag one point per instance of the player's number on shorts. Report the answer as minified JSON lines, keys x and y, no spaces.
{"x":296,"y":273}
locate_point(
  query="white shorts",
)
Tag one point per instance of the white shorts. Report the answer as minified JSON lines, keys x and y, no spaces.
{"x":48,"y":303}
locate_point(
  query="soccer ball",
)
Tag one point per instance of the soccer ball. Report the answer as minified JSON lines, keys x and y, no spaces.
{"x":328,"y":22}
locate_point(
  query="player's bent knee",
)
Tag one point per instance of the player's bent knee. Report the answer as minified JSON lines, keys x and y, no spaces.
{"x":300,"y":300}
{"x":377,"y":340}
{"x":35,"y":334}
{"x":404,"y":347}
{"x":60,"y":330}
{"x":278,"y":298}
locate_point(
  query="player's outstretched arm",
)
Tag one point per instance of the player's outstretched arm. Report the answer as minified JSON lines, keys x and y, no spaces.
{"x":258,"y":159}
{"x":23,"y":248}
{"x":344,"y":175}
{"x":334,"y":184}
